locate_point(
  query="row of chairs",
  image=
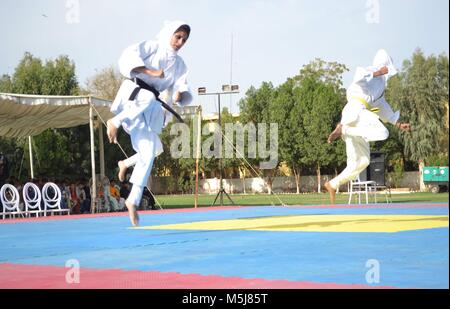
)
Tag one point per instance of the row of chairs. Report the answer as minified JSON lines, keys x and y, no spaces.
{"x":32,"y":197}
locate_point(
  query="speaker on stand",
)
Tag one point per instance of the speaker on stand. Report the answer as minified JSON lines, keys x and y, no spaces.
{"x":376,"y":168}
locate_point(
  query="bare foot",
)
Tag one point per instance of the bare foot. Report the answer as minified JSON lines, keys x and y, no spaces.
{"x":122,"y":170}
{"x":332,"y":192}
{"x":134,"y":216}
{"x":335,"y":134}
{"x":111,"y":132}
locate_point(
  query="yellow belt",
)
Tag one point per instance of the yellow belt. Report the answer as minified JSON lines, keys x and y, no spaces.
{"x":364,"y":102}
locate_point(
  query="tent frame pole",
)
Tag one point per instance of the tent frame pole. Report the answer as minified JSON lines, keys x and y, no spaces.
{"x":198,"y":152}
{"x":94,"y":178}
{"x":101,"y":149}
{"x":30,"y":148}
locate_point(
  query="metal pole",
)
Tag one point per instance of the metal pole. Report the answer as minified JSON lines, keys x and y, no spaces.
{"x":30,"y":148}
{"x":220,"y":155}
{"x":101,"y":150}
{"x":231,"y":69}
{"x":198,"y":153}
{"x":202,"y":91}
{"x":94,"y":180}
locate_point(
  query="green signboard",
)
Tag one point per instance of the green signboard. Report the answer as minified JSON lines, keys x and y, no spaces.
{"x":435,"y":174}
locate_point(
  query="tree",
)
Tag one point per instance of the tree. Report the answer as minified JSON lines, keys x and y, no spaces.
{"x":329,"y":73}
{"x":105,"y":84}
{"x":165,"y":164}
{"x":14,"y":150}
{"x":421,"y":93}
{"x":291,"y":131}
{"x":306,"y":108}
{"x":51,"y":150}
{"x":319,"y":98}
{"x":256,"y":109}
{"x":6,"y":84}
{"x":8,"y":146}
{"x":58,"y":77}
{"x":230,"y":165}
{"x":55,"y":150}
{"x":320,"y":107}
{"x":28,"y":76}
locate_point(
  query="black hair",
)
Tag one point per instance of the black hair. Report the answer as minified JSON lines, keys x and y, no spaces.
{"x":184,"y":28}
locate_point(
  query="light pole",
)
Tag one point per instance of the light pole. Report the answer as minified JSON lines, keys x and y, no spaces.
{"x":226,"y":89}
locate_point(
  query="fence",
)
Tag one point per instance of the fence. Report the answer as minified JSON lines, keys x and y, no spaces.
{"x":410,"y":180}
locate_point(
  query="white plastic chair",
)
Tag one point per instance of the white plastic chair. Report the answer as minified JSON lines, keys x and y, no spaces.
{"x":362,"y":187}
{"x":32,"y":197}
{"x":10,"y":198}
{"x":51,"y":194}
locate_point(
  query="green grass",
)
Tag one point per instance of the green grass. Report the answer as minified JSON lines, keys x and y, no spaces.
{"x":187,"y":201}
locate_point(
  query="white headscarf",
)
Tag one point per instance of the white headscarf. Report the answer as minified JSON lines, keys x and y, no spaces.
{"x":164,"y":38}
{"x":383,"y":59}
{"x":165,"y":35}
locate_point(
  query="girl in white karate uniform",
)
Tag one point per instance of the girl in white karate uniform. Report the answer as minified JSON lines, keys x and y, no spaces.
{"x":360,"y":122}
{"x":158,"y":65}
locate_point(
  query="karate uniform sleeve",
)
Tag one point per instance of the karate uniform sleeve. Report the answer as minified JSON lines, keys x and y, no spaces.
{"x":362,"y":76}
{"x":386,"y":113}
{"x":133,"y":57}
{"x":182,"y":86}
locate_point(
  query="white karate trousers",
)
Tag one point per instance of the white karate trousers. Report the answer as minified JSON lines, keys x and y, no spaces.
{"x":145,"y":142}
{"x":357,"y":135}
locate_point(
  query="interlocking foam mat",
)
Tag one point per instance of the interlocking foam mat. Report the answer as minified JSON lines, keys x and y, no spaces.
{"x":289,"y":247}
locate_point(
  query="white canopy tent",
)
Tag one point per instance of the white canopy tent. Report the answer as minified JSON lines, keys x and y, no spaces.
{"x":28,"y":115}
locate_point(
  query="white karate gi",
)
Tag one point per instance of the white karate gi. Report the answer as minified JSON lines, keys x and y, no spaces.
{"x":360,"y":125}
{"x":144,"y":118}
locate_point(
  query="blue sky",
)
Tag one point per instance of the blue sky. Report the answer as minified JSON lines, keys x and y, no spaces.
{"x":272,"y":39}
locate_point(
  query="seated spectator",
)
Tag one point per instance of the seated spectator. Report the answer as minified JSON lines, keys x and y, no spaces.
{"x":85,"y":203}
{"x":19,"y":187}
{"x":74,"y":200}
{"x":40,"y":182}
{"x":87,"y":190}
{"x":149,"y":200}
{"x":65,"y":192}
{"x":114,"y":190}
{"x":114,"y":197}
{"x":124,"y":192}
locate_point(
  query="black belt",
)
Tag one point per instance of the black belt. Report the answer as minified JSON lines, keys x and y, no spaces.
{"x":143,"y":85}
